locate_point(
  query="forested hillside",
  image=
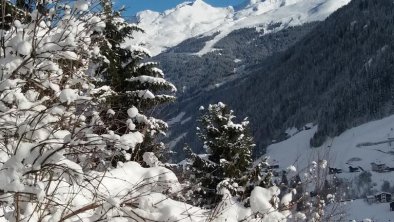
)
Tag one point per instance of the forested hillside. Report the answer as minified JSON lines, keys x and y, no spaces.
{"x":339,"y":75}
{"x":241,"y":48}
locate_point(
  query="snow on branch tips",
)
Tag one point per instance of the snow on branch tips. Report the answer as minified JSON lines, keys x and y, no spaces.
{"x":56,"y":150}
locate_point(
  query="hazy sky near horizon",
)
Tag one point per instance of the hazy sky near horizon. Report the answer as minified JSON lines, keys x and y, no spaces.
{"x":134,"y":6}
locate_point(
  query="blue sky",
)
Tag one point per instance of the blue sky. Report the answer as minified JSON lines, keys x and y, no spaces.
{"x":134,"y":6}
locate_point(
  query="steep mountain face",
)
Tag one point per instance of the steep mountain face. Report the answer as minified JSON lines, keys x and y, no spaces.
{"x":236,"y":53}
{"x":338,"y":76}
{"x":192,"y":19}
{"x":200,"y":78}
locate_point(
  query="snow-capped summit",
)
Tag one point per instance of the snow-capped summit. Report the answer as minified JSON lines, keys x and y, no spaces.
{"x":192,"y":19}
{"x":257,"y":7}
{"x":167,"y":29}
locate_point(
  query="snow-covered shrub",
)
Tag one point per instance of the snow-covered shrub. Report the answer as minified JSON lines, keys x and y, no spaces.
{"x":55,"y":149}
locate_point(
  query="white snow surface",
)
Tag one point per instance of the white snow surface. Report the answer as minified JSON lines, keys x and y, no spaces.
{"x":360,"y":210}
{"x":68,"y":96}
{"x":132,"y":112}
{"x":356,"y":147}
{"x":343,"y":151}
{"x":193,"y":19}
{"x":260,"y":199}
{"x":176,"y":119}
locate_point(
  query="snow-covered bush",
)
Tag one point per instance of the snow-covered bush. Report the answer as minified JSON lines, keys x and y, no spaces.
{"x":55,"y":149}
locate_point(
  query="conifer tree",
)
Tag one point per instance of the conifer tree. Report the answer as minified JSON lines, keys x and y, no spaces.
{"x":228,"y":162}
{"x":229,"y":144}
{"x":136,"y":82}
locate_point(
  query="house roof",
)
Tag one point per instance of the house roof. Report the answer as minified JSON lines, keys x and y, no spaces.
{"x":378,"y":164}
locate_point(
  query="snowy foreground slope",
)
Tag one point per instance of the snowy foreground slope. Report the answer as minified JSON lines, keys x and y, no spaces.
{"x":141,"y":190}
{"x":193,"y":19}
{"x":145,"y":184}
{"x":359,"y":210}
{"x":356,"y":147}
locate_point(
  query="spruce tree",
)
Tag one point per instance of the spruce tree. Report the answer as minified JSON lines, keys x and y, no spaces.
{"x":139,"y":85}
{"x":228,"y":162}
{"x":229,"y":144}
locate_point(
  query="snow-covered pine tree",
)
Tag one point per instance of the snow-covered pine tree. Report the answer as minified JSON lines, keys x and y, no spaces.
{"x":229,"y":146}
{"x":136,"y":82}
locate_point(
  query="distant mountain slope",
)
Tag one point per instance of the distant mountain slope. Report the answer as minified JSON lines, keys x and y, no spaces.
{"x":192,"y":19}
{"x":338,"y":76}
{"x":199,"y":77}
{"x":236,"y":53}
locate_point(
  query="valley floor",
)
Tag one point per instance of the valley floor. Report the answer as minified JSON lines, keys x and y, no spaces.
{"x":357,"y":147}
{"x":359,"y":210}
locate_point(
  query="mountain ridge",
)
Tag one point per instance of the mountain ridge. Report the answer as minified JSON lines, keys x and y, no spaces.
{"x":192,"y":19}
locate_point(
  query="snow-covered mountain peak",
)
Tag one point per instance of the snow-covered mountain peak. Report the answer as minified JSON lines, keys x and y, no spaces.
{"x":147,"y":16}
{"x":192,"y":13}
{"x":200,"y":3}
{"x":196,"y":5}
{"x":257,"y":7}
{"x":198,"y":10}
{"x":190,"y":19}
{"x":268,"y":2}
{"x":196,"y":18}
